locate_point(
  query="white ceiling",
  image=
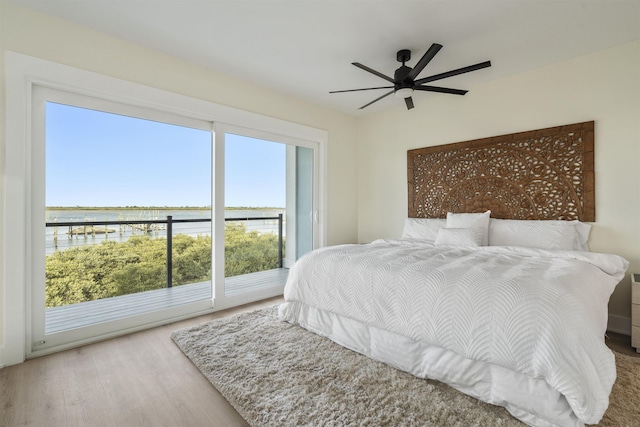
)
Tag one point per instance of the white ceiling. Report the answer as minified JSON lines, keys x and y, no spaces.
{"x":305,"y":48}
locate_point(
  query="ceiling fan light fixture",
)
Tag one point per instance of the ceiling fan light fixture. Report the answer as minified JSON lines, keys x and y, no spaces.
{"x":405,"y":92}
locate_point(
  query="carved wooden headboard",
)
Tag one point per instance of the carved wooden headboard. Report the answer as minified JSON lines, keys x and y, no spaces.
{"x":540,"y":174}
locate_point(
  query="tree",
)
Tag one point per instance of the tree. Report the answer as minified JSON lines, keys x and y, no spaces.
{"x":111,"y":268}
{"x":248,"y":252}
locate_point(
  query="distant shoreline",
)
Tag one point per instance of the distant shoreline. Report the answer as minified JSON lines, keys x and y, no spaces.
{"x":156,"y":208}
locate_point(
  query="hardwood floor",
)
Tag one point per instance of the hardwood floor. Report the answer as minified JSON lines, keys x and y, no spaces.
{"x":621,"y":343}
{"x":141,"y":379}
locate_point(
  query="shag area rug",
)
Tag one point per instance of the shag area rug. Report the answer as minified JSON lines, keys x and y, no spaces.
{"x":277,"y":374}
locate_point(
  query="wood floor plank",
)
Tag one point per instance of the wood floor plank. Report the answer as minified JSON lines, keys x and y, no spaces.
{"x":11,"y":397}
{"x":43,"y":400}
{"x":141,"y":379}
{"x":85,"y":400}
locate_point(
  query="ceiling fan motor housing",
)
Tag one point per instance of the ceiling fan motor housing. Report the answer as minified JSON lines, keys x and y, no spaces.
{"x":401,"y":78}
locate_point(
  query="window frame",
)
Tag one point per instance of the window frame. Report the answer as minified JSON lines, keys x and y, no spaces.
{"x":22,"y":73}
{"x":220,"y":130}
{"x":42,"y":342}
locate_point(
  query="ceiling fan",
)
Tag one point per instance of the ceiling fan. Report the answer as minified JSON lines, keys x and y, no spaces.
{"x":404,"y":79}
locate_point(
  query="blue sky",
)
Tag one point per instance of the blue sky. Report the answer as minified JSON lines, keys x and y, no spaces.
{"x":100,"y":159}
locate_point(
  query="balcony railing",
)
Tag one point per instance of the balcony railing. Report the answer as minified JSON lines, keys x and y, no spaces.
{"x":168,"y":223}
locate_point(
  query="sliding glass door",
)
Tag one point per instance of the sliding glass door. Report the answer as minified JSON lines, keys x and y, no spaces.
{"x":270,"y":196}
{"x":35,"y":89}
{"x":140,"y":216}
{"x":122,"y":217}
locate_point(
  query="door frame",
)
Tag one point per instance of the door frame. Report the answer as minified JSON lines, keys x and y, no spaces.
{"x":22,"y":73}
{"x":41,"y":343}
{"x":221,"y":129}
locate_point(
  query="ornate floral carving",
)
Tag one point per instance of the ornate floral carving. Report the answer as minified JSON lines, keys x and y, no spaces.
{"x":542,"y":174}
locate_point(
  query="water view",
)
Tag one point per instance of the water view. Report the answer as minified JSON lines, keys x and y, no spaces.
{"x":63,"y":237}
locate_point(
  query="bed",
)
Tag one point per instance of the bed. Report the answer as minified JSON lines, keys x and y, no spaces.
{"x":512,"y":311}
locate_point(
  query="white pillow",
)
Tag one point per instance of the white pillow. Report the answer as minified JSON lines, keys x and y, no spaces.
{"x":582,"y":236}
{"x":471,"y":220}
{"x":552,"y":234}
{"x":423,"y":228}
{"x":459,"y":237}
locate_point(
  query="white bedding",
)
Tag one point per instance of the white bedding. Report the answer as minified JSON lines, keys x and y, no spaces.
{"x":517,"y":327}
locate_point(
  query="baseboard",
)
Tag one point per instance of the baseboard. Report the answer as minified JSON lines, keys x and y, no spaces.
{"x":619,"y":324}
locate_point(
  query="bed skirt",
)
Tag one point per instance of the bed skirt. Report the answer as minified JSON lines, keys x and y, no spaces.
{"x":530,"y":400}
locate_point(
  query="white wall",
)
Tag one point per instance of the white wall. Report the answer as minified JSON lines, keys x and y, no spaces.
{"x":367,"y":188}
{"x":2,"y":183}
{"x":603,"y":86}
{"x":44,"y":37}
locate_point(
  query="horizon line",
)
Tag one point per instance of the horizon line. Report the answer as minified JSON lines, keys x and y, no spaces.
{"x":159,"y":207}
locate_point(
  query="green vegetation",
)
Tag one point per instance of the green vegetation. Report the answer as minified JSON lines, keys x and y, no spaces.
{"x":111,"y":269}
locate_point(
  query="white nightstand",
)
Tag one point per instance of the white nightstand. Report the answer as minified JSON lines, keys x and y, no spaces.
{"x":635,"y":311}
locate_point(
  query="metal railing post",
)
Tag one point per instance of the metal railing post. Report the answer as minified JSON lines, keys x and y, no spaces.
{"x":169,"y":251}
{"x":279,"y":240}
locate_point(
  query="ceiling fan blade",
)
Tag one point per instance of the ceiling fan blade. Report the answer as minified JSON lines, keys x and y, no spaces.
{"x":372,"y":71}
{"x":376,"y":100}
{"x":441,"y":90}
{"x":426,"y":58}
{"x":356,"y":90}
{"x":409,"y":103}
{"x":452,"y":73}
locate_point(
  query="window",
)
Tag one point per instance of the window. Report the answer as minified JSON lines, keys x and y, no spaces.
{"x":269,"y":200}
{"x":26,"y":191}
{"x":127,"y":215}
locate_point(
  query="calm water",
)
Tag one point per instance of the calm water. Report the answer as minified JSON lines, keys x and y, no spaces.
{"x":121,"y":233}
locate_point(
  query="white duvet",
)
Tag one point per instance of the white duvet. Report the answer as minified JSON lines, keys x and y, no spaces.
{"x":517,"y":327}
